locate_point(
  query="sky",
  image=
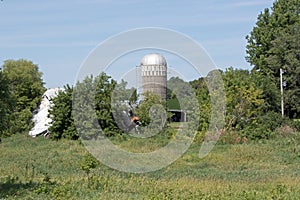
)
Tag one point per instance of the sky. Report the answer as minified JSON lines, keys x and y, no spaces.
{"x":59,"y":35}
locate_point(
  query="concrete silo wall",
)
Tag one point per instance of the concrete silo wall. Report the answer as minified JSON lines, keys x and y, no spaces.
{"x":154,"y":74}
{"x":155,"y":84}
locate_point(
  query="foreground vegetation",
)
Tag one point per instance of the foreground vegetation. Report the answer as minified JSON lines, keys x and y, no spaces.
{"x":39,"y":168}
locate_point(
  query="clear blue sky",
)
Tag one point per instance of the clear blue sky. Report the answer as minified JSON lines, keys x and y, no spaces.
{"x":59,"y":34}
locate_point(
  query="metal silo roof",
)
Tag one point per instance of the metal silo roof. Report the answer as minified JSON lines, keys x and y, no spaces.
{"x":153,"y":59}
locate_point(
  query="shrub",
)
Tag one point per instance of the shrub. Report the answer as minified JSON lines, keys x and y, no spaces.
{"x":88,"y":163}
{"x":296,"y":124}
{"x":264,"y":126}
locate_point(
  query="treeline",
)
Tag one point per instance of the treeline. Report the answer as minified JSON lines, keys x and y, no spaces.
{"x":249,"y":113}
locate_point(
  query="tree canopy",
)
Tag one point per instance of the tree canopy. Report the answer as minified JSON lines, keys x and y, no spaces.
{"x":62,"y":117}
{"x":89,"y":103}
{"x":26,"y":86}
{"x":6,"y":104}
{"x":273,"y":44}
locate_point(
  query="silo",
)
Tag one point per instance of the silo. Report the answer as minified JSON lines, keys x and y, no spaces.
{"x":154,"y":74}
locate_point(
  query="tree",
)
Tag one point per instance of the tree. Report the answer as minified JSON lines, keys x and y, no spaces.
{"x":147,"y":108}
{"x":26,"y":86}
{"x":152,"y":114}
{"x":285,"y":54}
{"x":123,"y":104}
{"x":178,"y":88}
{"x":182,"y":93}
{"x":104,"y":88}
{"x":274,"y":44}
{"x":92,"y":107}
{"x":133,"y":96}
{"x":244,"y":99}
{"x":203,"y":97}
{"x":84,"y":110}
{"x":6,"y":105}
{"x":271,"y":93}
{"x":62,"y":125}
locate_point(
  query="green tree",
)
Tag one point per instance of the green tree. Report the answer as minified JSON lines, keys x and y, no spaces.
{"x":271,"y":93}
{"x":62,"y":125}
{"x":284,"y":53}
{"x":6,"y":105}
{"x":212,"y":101}
{"x":274,"y":44}
{"x":203,"y":97}
{"x":133,"y":96}
{"x":178,"y":89}
{"x":84,"y":109}
{"x":149,"y":109}
{"x":26,"y":86}
{"x":93,"y":99}
{"x":123,"y":103}
{"x":104,"y":88}
{"x":244,"y":99}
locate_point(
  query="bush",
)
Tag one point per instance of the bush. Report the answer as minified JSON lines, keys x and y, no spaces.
{"x":264,"y":126}
{"x":296,"y":124}
{"x":88,"y":163}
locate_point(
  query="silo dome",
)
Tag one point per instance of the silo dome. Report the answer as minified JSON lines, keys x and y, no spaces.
{"x":154,"y":74}
{"x":154,"y":59}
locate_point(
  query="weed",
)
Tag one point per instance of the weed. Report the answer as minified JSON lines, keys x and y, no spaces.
{"x":88,"y":163}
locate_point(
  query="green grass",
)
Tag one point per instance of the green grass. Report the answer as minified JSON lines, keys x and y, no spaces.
{"x":39,"y":168}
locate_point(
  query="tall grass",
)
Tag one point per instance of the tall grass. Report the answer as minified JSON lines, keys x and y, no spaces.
{"x":38,"y":168}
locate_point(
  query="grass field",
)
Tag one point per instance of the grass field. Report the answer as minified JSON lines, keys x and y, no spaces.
{"x":39,"y":168}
